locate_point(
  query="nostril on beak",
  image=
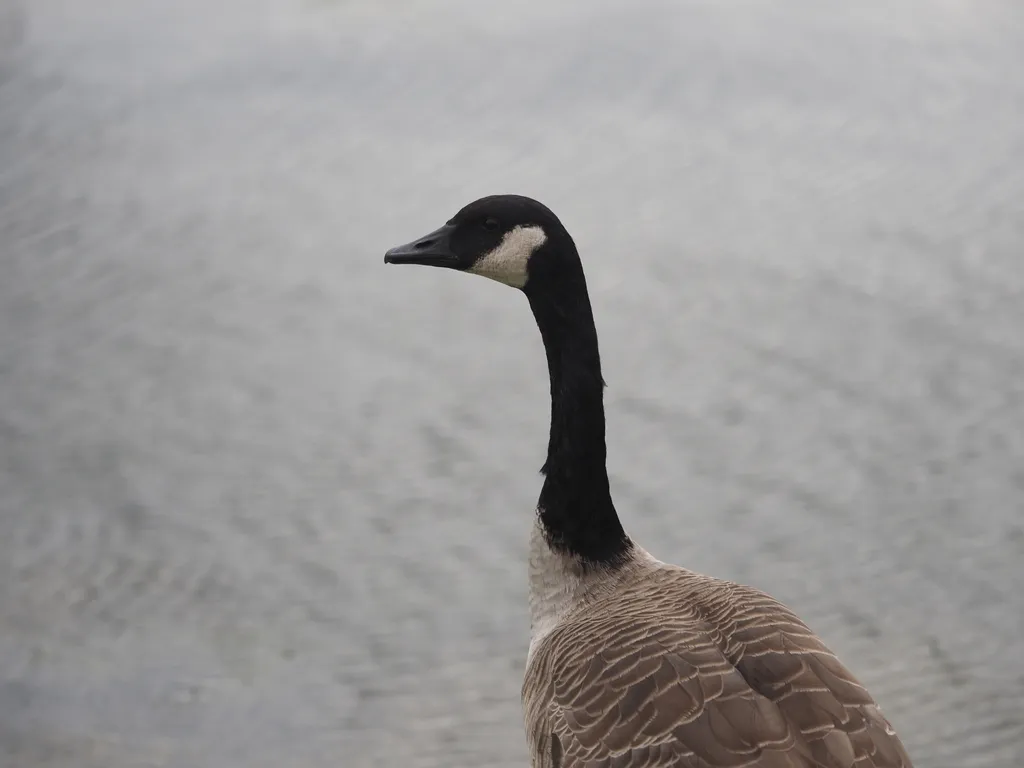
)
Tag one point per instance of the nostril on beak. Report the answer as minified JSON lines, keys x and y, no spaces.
{"x":424,"y":244}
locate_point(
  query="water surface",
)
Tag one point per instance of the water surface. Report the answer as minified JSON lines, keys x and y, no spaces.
{"x":264,"y":502}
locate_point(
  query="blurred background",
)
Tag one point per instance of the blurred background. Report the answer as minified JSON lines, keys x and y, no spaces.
{"x":265,"y":502}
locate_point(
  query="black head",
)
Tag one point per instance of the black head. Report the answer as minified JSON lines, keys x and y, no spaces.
{"x":496,"y":237}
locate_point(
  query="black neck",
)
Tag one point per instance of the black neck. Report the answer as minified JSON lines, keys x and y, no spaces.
{"x":575,"y":504}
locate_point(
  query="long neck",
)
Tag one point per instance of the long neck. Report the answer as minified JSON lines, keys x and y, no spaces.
{"x":575,"y":505}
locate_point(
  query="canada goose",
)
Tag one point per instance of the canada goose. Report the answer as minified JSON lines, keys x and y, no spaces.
{"x":632,"y":661}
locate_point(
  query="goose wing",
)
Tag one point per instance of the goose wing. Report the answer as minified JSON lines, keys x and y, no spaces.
{"x":624,"y":688}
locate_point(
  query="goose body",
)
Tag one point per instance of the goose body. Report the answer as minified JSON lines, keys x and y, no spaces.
{"x":635,"y":662}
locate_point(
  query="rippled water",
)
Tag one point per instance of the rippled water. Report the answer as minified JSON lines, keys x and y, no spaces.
{"x":264,"y":502}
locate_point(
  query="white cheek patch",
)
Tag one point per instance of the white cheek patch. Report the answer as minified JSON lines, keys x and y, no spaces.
{"x":507,"y":263}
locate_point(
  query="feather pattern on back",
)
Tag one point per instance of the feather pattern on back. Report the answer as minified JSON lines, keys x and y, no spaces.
{"x":677,"y":669}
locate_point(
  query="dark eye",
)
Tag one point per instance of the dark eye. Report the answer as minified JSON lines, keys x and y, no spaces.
{"x":490,"y":223}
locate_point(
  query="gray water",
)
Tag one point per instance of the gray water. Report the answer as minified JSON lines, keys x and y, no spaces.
{"x":264,"y":501}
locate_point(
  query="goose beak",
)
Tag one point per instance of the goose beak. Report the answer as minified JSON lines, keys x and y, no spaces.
{"x":433,"y":250}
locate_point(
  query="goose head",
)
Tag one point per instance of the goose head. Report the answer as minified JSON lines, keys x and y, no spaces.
{"x":508,"y":238}
{"x":520,"y":242}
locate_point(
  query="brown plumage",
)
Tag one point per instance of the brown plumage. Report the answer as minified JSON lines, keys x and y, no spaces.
{"x":634,"y":663}
{"x":659,"y":666}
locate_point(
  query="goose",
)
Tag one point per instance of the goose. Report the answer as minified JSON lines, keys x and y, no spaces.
{"x":632,"y":661}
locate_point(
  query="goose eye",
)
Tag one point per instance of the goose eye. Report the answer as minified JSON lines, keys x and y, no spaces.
{"x":490,"y":224}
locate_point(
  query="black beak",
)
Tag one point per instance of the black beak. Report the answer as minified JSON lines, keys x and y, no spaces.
{"x":433,"y":249}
